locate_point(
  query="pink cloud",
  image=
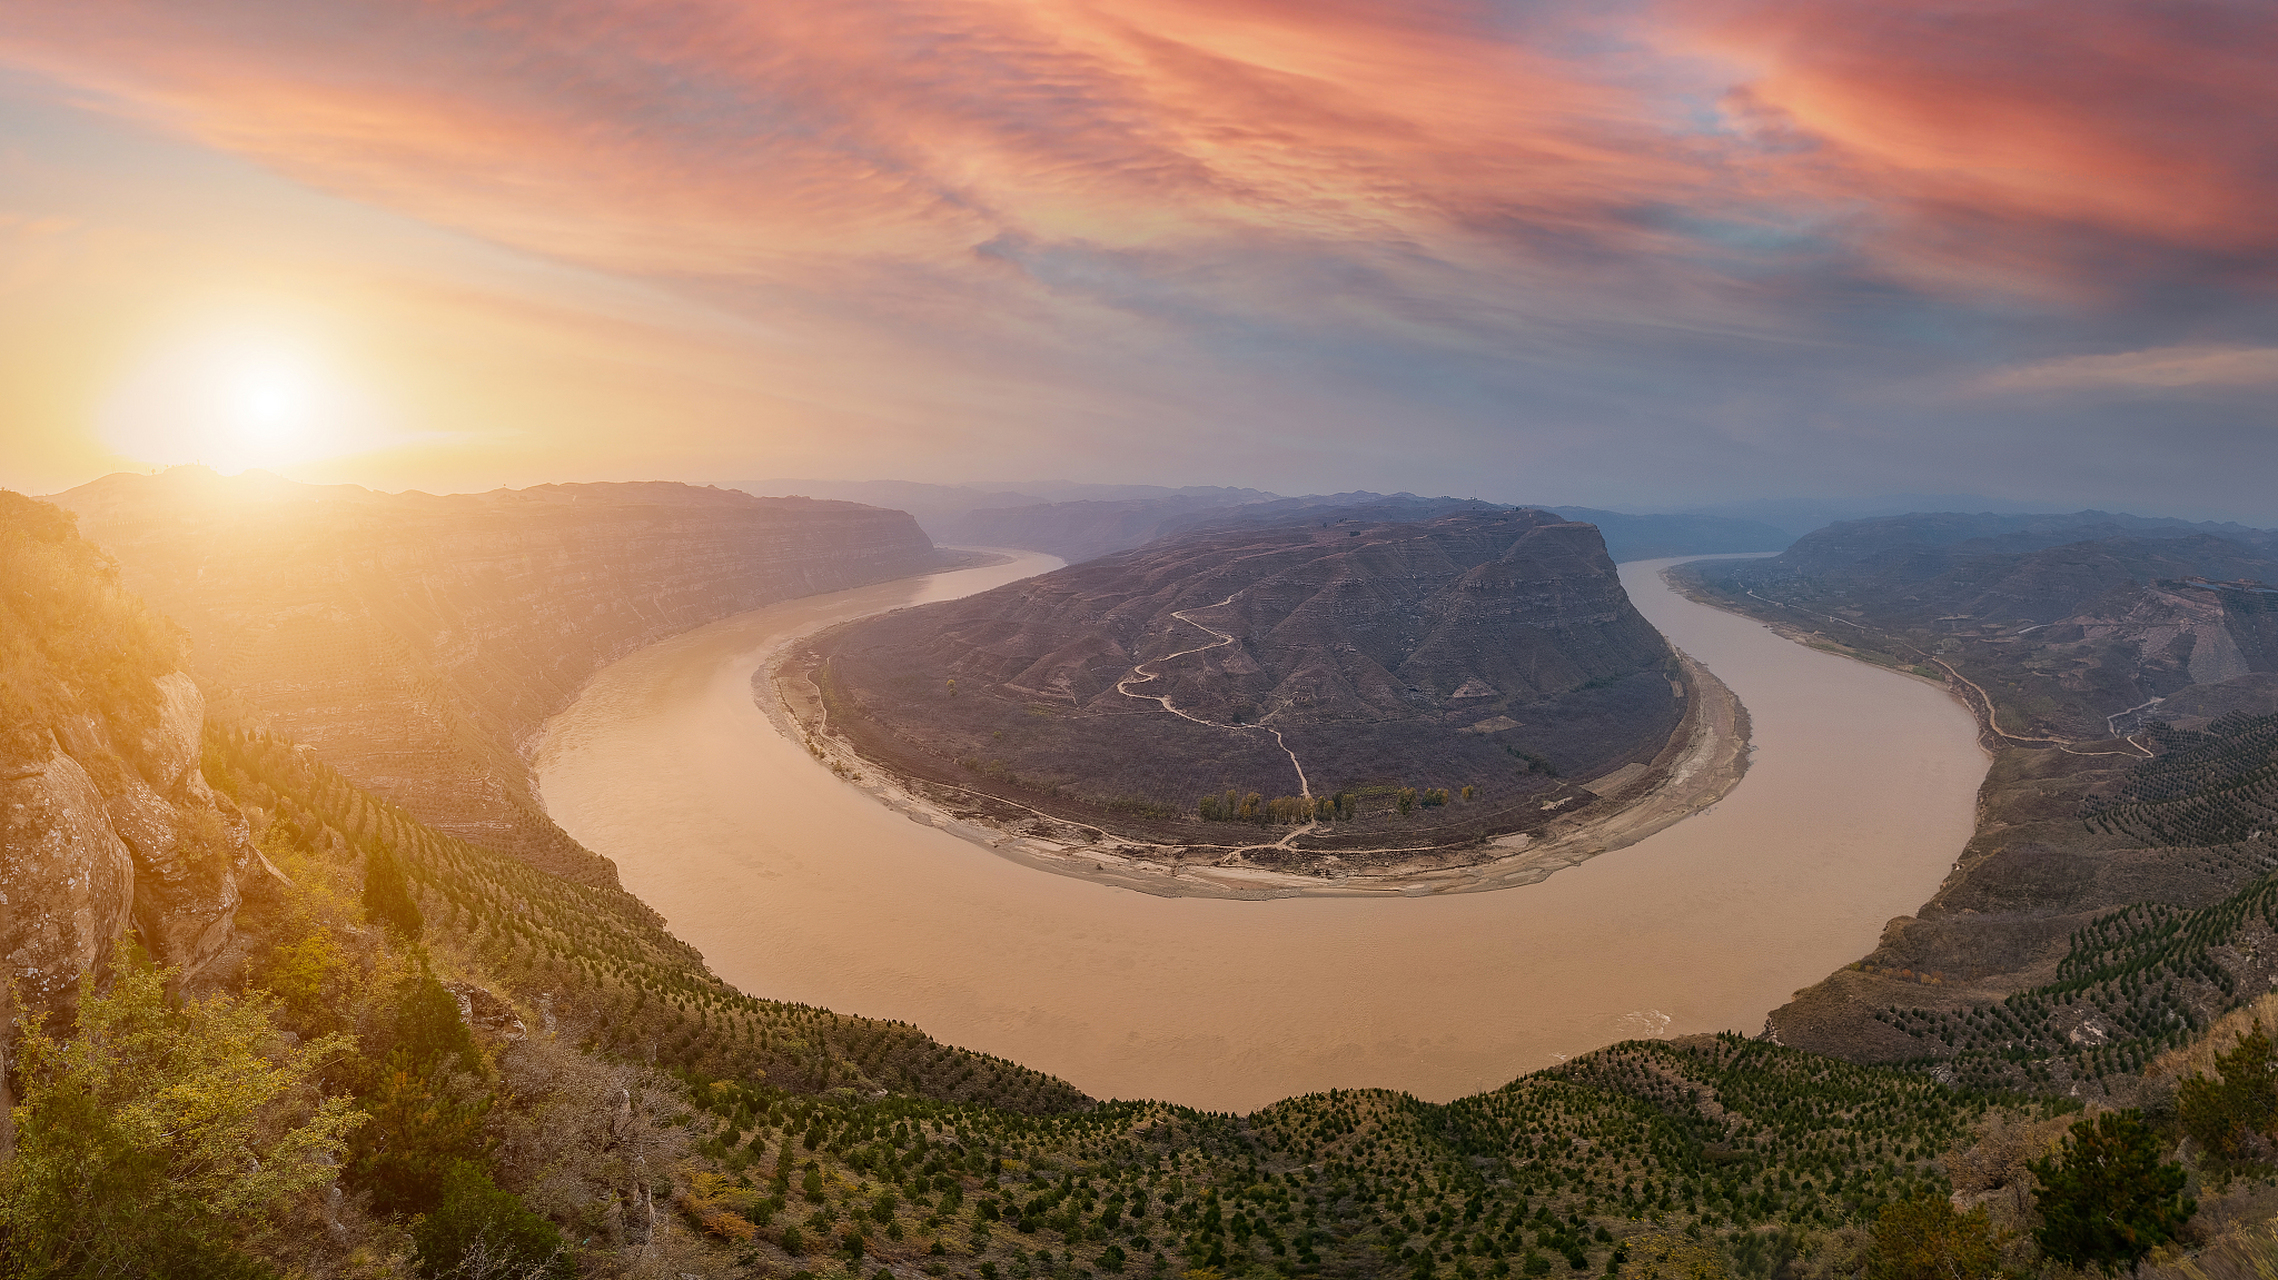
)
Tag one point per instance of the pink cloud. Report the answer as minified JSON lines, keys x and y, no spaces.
{"x":709,"y":137}
{"x":1259,"y":210}
{"x":2076,"y":142}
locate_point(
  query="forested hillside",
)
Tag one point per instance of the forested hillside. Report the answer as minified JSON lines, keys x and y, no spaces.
{"x":597,"y":958}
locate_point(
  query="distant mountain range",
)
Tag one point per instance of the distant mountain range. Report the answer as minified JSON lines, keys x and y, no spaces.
{"x":1655,"y":537}
{"x":1079,"y":522}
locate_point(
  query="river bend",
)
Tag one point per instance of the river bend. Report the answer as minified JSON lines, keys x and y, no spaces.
{"x":798,"y":886}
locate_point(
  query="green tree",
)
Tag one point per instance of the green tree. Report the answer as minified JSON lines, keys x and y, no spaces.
{"x":387,"y":895}
{"x":478,"y":1229}
{"x":420,"y":1126}
{"x":2242,"y":1098}
{"x":428,"y":1028}
{"x":424,"y":1115}
{"x":161,"y":1134}
{"x":1926,"y":1239}
{"x":2106,"y":1199}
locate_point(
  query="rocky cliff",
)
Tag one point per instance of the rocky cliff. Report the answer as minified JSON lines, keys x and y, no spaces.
{"x":1492,"y":650}
{"x":420,"y":642}
{"x":106,"y":823}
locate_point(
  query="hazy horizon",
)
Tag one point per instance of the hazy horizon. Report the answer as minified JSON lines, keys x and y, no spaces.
{"x":1794,"y":515}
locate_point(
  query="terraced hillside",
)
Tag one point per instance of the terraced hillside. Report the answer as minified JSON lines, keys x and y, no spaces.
{"x":2216,"y":786}
{"x":1759,"y":1151}
{"x":2074,"y":627}
{"x":597,"y":957}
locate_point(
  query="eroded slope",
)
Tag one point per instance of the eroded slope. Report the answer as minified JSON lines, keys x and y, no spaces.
{"x":1333,"y":663}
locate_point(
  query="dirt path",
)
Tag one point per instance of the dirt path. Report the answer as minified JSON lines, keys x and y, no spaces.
{"x":1142,"y":675}
{"x":1982,"y":707}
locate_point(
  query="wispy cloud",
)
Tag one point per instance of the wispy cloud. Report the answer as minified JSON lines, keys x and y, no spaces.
{"x":2161,"y":368}
{"x":2090,"y":144}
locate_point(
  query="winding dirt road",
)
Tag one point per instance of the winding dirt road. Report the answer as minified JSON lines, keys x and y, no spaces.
{"x":1141,"y":674}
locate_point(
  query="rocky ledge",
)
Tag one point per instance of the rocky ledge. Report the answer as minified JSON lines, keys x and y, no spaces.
{"x":115,"y":830}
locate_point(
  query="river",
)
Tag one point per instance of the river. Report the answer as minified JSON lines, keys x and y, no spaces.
{"x":798,"y":886}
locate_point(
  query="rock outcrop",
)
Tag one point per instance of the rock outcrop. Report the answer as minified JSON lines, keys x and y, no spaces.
{"x":420,"y":643}
{"x":66,"y":879}
{"x":106,"y":822}
{"x":117,"y":829}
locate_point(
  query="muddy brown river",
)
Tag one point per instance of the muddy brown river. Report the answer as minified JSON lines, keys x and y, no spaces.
{"x":799,"y":886}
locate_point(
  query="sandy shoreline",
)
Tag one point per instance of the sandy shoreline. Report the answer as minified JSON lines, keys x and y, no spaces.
{"x":1705,"y":758}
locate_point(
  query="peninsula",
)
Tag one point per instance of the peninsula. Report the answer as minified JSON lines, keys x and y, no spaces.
{"x":1345,"y":703}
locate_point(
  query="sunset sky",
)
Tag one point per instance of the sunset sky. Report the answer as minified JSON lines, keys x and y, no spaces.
{"x":1651,"y":255}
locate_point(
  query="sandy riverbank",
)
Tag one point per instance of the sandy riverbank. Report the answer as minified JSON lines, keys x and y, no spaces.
{"x":1705,"y":758}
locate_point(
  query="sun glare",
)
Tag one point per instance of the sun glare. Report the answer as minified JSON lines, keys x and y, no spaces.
{"x":238,"y":401}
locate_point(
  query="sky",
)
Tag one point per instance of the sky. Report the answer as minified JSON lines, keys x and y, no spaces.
{"x":1647,"y":256}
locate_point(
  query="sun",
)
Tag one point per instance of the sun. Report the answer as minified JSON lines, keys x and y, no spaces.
{"x":237,"y":400}
{"x":270,"y":403}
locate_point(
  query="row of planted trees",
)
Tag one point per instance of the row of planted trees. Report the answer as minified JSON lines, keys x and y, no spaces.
{"x":1233,"y":806}
{"x":1343,"y":806}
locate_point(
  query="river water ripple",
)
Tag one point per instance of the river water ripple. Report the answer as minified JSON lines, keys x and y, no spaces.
{"x":798,"y":886}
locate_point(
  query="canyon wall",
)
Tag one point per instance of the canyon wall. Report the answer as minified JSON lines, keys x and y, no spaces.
{"x":419,"y":642}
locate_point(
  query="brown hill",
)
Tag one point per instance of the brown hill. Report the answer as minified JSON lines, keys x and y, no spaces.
{"x":2077,"y":626}
{"x":420,"y":642}
{"x":1340,"y":655}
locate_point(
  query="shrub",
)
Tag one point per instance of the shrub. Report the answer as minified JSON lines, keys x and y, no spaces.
{"x":150,"y":1140}
{"x":478,"y":1229}
{"x":1926,"y":1239}
{"x":1671,"y":1258}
